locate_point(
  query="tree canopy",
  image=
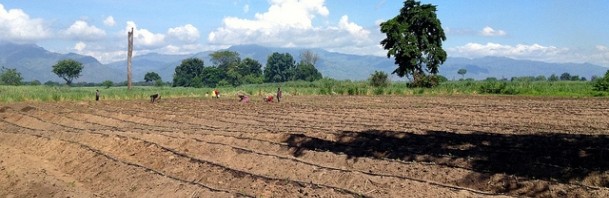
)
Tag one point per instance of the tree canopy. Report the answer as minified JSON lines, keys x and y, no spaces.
{"x":279,"y":68}
{"x":187,"y":72}
{"x":151,"y":77}
{"x":10,"y":76}
{"x":462,"y":72}
{"x":379,"y":79}
{"x":601,"y":84}
{"x":230,"y":70}
{"x":306,"y":71}
{"x":414,"y":39}
{"x":68,"y":69}
{"x":225,"y":59}
{"x":565,"y":76}
{"x":250,"y":66}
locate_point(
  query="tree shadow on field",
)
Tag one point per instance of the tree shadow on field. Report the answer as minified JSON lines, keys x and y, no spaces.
{"x":552,"y":156}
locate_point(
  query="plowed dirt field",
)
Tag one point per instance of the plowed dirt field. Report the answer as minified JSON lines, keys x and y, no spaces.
{"x":307,"y":146}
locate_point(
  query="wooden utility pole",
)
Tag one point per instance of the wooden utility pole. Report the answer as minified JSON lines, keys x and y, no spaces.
{"x":129,"y":55}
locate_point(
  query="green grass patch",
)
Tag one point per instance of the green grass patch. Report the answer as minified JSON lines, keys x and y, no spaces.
{"x":45,"y":93}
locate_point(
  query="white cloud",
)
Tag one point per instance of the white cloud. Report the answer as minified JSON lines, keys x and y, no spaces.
{"x":599,"y":55}
{"x":603,"y":54}
{"x":187,"y":33}
{"x":522,"y":51}
{"x":181,"y":49}
{"x":107,"y":56}
{"x":489,"y":31}
{"x":289,"y":23}
{"x":80,"y":46}
{"x":354,"y":29}
{"x":109,"y":21}
{"x":80,"y":30}
{"x":16,"y":25}
{"x":145,"y":38}
{"x":246,"y":8}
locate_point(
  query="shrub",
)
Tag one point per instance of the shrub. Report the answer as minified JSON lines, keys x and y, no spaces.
{"x":325,"y":91}
{"x":35,"y":83}
{"x":379,"y":91}
{"x":379,"y":79}
{"x":107,"y":84}
{"x":422,"y":80}
{"x":158,"y":83}
{"x":492,"y":87}
{"x":601,"y":84}
{"x":352,"y":91}
{"x":496,"y":87}
{"x":340,"y":90}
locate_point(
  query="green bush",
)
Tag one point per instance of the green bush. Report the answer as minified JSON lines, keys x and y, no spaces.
{"x":340,"y":90}
{"x":492,"y":87}
{"x":352,"y":91}
{"x":379,"y":79}
{"x":107,"y":84}
{"x":601,"y":84}
{"x":379,"y":91}
{"x":325,"y":91}
{"x":496,"y":87}
{"x":428,"y":81}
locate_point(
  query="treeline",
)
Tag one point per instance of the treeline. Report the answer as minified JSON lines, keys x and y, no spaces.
{"x":229,"y":70}
{"x":563,"y":77}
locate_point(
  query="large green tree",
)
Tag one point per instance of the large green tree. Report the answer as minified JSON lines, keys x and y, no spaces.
{"x":462,"y":72}
{"x":414,"y":39}
{"x":225,"y":59}
{"x":306,"y":71}
{"x":10,"y":76}
{"x":188,"y":72}
{"x":211,"y":76}
{"x":250,"y":66}
{"x":565,"y":76}
{"x":151,"y":77}
{"x":250,"y":71}
{"x":68,"y":69}
{"x":279,"y":68}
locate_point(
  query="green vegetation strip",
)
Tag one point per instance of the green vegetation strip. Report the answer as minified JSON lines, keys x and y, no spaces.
{"x":42,"y":93}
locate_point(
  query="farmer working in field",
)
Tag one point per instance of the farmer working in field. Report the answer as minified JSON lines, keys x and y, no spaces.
{"x":97,"y":95}
{"x":243,"y":98}
{"x":268,"y":99}
{"x":155,"y":97}
{"x":278,"y":94}
{"x":216,"y":93}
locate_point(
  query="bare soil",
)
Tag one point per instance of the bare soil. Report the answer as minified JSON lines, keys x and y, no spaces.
{"x":307,"y":146}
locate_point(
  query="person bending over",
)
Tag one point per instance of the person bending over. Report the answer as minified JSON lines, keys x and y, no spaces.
{"x":155,"y":97}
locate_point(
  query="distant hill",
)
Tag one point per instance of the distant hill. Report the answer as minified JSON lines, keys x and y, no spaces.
{"x":501,"y":67}
{"x":35,"y":63}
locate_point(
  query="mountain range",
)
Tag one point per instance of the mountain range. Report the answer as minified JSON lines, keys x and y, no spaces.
{"x":35,"y":63}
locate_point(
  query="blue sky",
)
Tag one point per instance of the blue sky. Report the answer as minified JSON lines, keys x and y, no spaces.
{"x":545,"y":30}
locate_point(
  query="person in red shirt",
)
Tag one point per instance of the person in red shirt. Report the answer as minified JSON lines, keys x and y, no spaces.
{"x":268,"y":99}
{"x":216,"y":93}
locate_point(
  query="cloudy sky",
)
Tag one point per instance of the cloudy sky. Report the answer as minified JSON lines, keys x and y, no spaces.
{"x":546,"y":30}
